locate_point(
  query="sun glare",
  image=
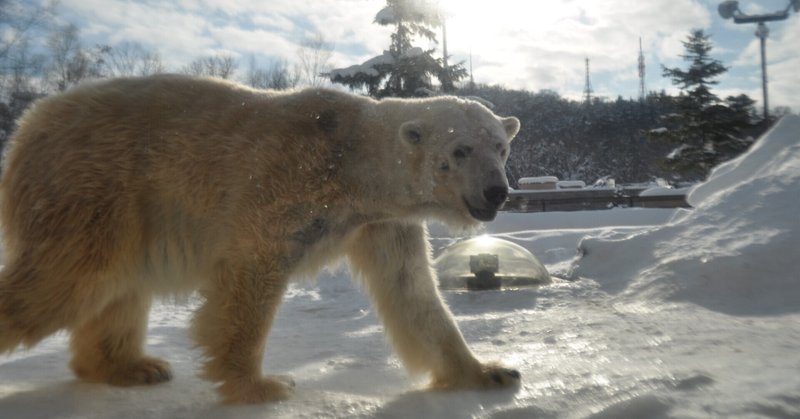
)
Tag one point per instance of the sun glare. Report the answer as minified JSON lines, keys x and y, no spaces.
{"x":479,"y":23}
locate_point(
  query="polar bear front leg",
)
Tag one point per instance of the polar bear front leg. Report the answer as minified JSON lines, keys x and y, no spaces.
{"x":232,"y":327}
{"x":394,"y":261}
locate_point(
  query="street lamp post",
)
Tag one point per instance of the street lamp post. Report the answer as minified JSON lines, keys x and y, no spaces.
{"x":762,"y":32}
{"x":730,"y":9}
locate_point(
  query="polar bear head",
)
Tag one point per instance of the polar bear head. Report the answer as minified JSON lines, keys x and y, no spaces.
{"x":459,"y":150}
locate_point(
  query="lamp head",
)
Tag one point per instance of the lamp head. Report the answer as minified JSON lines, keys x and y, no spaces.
{"x":729,"y":8}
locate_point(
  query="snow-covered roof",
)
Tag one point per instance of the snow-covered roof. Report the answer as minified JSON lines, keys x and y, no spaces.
{"x":664,"y":191}
{"x":537,"y":179}
{"x":571,"y":184}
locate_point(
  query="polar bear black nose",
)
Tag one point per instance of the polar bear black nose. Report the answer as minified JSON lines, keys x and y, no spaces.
{"x":496,"y":195}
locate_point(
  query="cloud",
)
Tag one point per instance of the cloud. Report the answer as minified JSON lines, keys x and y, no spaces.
{"x":517,"y":43}
{"x":543,"y":45}
{"x":176,"y":33}
{"x":239,"y":42}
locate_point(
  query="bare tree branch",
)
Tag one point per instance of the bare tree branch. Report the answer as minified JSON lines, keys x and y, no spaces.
{"x":221,"y":66}
{"x":279,"y":75}
{"x":131,"y":59}
{"x":314,"y":55}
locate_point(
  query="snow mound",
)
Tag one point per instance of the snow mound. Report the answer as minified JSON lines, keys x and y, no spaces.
{"x":730,"y":252}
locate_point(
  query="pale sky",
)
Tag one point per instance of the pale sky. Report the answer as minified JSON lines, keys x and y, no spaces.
{"x":524,"y":44}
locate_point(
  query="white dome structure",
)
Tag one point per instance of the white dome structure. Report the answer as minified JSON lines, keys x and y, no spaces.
{"x":486,"y":262}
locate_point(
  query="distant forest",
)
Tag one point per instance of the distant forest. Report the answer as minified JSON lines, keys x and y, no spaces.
{"x":578,"y":141}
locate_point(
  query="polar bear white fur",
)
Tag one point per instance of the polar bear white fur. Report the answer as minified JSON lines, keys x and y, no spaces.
{"x":118,"y":191}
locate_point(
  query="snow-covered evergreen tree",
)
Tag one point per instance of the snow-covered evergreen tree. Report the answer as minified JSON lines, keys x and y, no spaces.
{"x":403,"y":70}
{"x":705,"y":130}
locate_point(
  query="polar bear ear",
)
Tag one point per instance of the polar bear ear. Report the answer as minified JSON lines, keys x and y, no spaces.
{"x":411,"y":132}
{"x":511,"y":126}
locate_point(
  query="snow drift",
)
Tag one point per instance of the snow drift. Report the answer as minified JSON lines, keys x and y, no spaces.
{"x":735,"y":252}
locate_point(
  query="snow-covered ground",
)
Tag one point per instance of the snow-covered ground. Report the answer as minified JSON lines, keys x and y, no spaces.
{"x":658,"y":313}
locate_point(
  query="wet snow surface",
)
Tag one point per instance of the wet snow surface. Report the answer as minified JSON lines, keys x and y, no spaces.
{"x":659,"y":313}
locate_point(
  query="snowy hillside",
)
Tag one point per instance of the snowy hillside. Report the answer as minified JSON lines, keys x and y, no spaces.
{"x":686,"y":313}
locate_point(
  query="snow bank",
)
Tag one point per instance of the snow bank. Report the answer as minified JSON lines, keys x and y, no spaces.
{"x":733,"y":252}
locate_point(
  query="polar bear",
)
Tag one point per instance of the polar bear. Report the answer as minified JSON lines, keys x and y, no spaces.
{"x":118,"y":191}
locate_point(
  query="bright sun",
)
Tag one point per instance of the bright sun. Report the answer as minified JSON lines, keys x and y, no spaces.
{"x":479,"y":21}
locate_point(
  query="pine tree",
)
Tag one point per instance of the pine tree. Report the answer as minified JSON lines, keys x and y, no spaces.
{"x":404,"y":70}
{"x":705,"y":129}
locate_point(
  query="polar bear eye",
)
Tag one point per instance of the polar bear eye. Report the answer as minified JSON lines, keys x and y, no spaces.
{"x":462,"y":152}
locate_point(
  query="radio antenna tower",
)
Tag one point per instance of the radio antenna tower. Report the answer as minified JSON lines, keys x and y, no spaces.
{"x":642,"y":91}
{"x":471,"y":78}
{"x":587,"y":90}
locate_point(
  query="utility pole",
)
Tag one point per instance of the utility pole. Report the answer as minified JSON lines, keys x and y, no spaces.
{"x":762,"y":32}
{"x":730,"y":9}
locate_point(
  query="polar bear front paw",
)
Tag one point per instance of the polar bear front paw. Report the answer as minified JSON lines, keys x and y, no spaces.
{"x":497,"y":376}
{"x":486,"y":377}
{"x":256,"y":390}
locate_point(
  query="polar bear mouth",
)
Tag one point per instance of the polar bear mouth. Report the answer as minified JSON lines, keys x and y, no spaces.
{"x":481,"y":214}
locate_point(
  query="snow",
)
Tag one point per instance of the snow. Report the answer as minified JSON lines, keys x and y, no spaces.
{"x":664,"y":191}
{"x":658,"y":313}
{"x":367,"y":67}
{"x":675,"y":153}
{"x":413,"y":52}
{"x":571,"y":184}
{"x":741,"y":238}
{"x":386,"y":16}
{"x":537,"y":179}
